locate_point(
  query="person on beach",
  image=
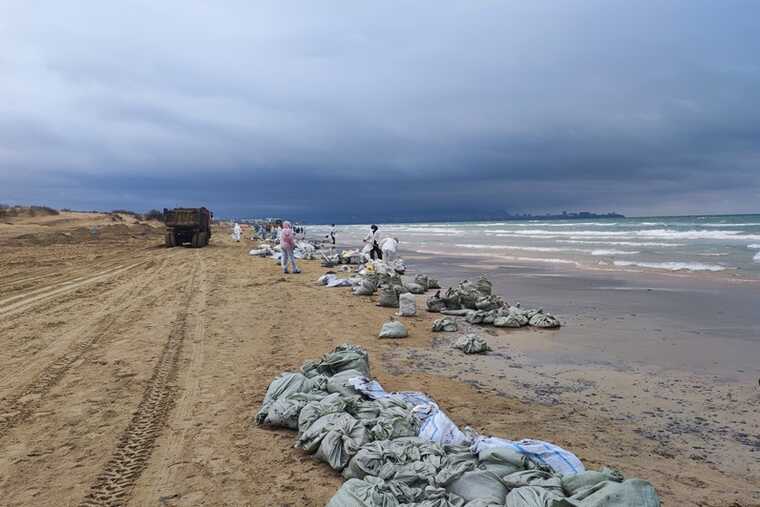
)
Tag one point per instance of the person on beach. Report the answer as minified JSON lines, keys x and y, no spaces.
{"x":236,"y":232}
{"x":332,"y":233}
{"x":288,"y":244}
{"x":389,"y":248}
{"x":372,"y":241}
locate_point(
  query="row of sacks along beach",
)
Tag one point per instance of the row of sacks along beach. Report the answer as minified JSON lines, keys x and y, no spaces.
{"x":400,"y":448}
{"x":474,"y":302}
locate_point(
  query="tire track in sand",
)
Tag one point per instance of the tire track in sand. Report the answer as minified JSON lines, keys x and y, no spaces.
{"x":8,"y":308}
{"x":20,"y":404}
{"x":114,"y":485}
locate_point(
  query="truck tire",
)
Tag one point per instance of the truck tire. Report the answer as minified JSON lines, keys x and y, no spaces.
{"x":170,"y":240}
{"x":195,"y":243}
{"x":203,"y":239}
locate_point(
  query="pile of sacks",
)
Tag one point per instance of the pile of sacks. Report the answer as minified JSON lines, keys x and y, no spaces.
{"x":303,"y":250}
{"x":475,"y":302}
{"x":400,"y":449}
{"x":374,"y":277}
{"x":392,"y":286}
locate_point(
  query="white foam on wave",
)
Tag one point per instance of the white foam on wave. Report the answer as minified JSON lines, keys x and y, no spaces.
{"x":549,"y":249}
{"x":617,"y":243}
{"x":756,"y":258}
{"x":749,"y":224}
{"x":754,"y":245}
{"x":504,"y":257}
{"x":427,"y":230}
{"x":602,"y":251}
{"x":565,"y":224}
{"x":642,"y":233}
{"x":694,"y":234}
{"x":673,"y":265}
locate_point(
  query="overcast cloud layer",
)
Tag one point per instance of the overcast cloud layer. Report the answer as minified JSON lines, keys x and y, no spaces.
{"x":380,"y":110}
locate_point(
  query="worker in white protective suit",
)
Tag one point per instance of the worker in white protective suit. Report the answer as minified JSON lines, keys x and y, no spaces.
{"x":236,"y":232}
{"x":389,"y":247}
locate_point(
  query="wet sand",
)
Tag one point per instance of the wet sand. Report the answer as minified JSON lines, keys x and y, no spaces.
{"x":673,"y":357}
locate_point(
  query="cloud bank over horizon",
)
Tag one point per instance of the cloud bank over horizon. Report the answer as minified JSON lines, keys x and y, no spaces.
{"x":345,"y":111}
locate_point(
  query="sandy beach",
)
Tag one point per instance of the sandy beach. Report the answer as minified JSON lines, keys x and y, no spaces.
{"x":131,"y":373}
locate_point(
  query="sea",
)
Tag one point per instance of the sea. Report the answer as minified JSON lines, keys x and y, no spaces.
{"x":725,"y":244}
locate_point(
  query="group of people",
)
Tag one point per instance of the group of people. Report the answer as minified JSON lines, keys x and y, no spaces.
{"x":381,"y":249}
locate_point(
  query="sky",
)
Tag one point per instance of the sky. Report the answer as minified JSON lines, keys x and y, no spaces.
{"x":378,"y":111}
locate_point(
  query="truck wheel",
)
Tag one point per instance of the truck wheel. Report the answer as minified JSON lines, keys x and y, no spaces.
{"x":195,"y":242}
{"x":170,"y":240}
{"x":203,"y":239}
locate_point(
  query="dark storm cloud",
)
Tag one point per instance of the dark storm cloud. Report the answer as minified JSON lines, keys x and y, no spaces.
{"x":392,"y":110}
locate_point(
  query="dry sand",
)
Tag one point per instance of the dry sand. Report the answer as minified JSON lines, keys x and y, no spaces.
{"x":131,"y":372}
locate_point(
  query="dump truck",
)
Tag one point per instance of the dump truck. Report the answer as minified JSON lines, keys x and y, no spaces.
{"x":187,"y":225}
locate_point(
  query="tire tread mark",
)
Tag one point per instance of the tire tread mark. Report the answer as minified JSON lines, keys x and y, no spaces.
{"x":114,"y":485}
{"x":19,"y":405}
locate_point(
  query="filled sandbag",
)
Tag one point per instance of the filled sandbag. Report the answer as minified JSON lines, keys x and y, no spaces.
{"x":445,"y":325}
{"x":284,"y":385}
{"x":415,"y":288}
{"x":471,"y":344}
{"x":468,"y":294}
{"x":534,"y":477}
{"x":451,"y":299}
{"x":284,"y":412}
{"x":374,"y":492}
{"x":340,"y":383}
{"x":479,"y":484}
{"x":617,"y":494}
{"x":388,"y":297}
{"x":393,"y":329}
{"x":407,"y":305}
{"x":484,"y":286}
{"x":534,"y":496}
{"x":502,"y":460}
{"x":331,"y":404}
{"x":394,"y":420}
{"x":489,"y":303}
{"x":333,"y":438}
{"x":434,"y":303}
{"x":572,"y":484}
{"x":512,"y":319}
{"x":544,"y":320}
{"x":344,"y":357}
{"x":409,"y":459}
{"x":365,"y":288}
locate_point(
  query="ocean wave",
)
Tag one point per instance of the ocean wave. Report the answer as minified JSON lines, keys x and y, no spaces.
{"x":646,"y":233}
{"x":673,"y":265}
{"x":549,"y":249}
{"x":618,"y":243}
{"x":612,"y":252}
{"x":750,"y":224}
{"x":500,"y":247}
{"x":505,"y":257}
{"x":754,"y":245}
{"x":756,"y":258}
{"x":564,"y":224}
{"x":694,"y":234}
{"x":426,"y":230}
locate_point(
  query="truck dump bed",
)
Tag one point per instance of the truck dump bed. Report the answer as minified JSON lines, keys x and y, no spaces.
{"x":187,"y":225}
